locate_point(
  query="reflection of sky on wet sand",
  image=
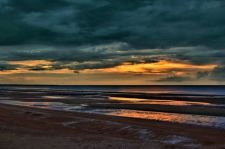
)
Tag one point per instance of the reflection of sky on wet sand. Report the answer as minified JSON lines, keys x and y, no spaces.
{"x":54,"y":97}
{"x":128,"y":99}
{"x":43,"y":105}
{"x":160,"y":101}
{"x":29,"y":104}
{"x":212,"y":121}
{"x":172,"y":117}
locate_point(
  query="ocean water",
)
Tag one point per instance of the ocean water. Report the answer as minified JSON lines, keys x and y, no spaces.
{"x":173,"y":89}
{"x":126,"y":101}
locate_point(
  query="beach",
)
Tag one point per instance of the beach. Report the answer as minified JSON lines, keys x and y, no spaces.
{"x":25,"y":128}
{"x":112,"y":74}
{"x":41,"y":118}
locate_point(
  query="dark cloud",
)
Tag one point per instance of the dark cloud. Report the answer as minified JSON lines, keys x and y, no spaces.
{"x":202,"y":74}
{"x":175,"y":79}
{"x":108,"y":55}
{"x":98,"y":65}
{"x":92,"y":34}
{"x":38,"y":68}
{"x":4,"y":66}
{"x":198,"y":76}
{"x":218,"y":73}
{"x":146,"y":23}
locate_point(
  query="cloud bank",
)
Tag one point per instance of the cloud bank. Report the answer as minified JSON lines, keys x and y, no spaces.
{"x":83,"y":35}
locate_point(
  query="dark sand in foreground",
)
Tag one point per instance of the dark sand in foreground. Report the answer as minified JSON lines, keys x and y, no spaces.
{"x":29,"y":128}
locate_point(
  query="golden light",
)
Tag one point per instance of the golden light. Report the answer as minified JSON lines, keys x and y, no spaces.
{"x":157,"y":67}
{"x":31,"y":63}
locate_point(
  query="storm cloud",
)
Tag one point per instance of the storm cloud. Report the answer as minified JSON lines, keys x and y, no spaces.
{"x":96,"y":34}
{"x":147,"y":23}
{"x":4,"y":66}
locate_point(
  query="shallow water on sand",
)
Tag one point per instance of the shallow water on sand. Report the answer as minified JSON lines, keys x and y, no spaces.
{"x":162,"y":102}
{"x":79,"y":99}
{"x":211,"y":121}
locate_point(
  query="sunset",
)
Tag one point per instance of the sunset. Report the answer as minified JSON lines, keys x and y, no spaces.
{"x":71,"y":37}
{"x":129,"y":74}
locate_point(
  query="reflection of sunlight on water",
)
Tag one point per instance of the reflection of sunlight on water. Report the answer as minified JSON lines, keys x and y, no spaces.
{"x":29,"y":104}
{"x":212,"y":121}
{"x":160,"y":102}
{"x":127,"y":99}
{"x":149,"y":90}
{"x":44,"y":105}
{"x":172,"y":117}
{"x":54,"y":97}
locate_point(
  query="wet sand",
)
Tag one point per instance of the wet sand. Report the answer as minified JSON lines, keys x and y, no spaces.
{"x":199,"y":110}
{"x":26,"y":128}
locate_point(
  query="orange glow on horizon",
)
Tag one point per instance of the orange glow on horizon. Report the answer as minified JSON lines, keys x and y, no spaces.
{"x":31,"y":63}
{"x":157,"y":67}
{"x":157,"y":70}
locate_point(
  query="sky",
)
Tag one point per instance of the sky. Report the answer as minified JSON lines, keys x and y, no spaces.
{"x":112,"y":42}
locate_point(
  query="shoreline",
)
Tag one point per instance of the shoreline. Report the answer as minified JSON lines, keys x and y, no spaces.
{"x":39,"y":123}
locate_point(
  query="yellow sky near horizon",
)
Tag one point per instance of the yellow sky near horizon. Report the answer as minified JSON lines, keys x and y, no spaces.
{"x":157,"y":67}
{"x":126,"y":73}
